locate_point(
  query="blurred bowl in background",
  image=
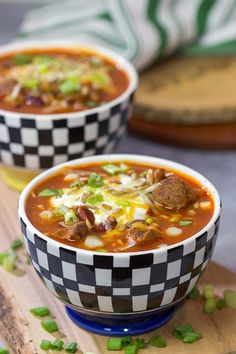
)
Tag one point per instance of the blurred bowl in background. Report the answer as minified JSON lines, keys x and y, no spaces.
{"x":31,"y":142}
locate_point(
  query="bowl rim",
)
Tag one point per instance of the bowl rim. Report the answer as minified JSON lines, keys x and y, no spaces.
{"x":153,"y":161}
{"x":122,"y":62}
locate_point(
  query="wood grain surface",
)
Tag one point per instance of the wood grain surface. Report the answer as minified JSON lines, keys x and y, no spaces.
{"x":22,"y":290}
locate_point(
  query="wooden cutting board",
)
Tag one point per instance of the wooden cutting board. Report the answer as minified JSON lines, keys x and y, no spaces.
{"x":188,"y":101}
{"x":22,"y":290}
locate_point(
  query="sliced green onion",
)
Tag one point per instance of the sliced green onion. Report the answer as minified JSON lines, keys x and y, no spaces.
{"x":62,"y":210}
{"x":40,"y":311}
{"x":194,"y":294}
{"x":77,"y":185}
{"x":127,"y":341}
{"x":70,"y":85}
{"x":208,"y":292}
{"x":50,"y":192}
{"x":185,"y":222}
{"x":95,"y":181}
{"x":130,"y":349}
{"x":45,"y":344}
{"x":100,"y":79}
{"x":57,"y":344}
{"x":17,"y":243}
{"x":181,"y":331}
{"x":49,"y":325}
{"x":230,"y":298}
{"x":21,"y":59}
{"x":70,"y":217}
{"x":94,"y":199}
{"x":42,"y":59}
{"x":220,"y":304}
{"x":143,"y":174}
{"x":140,"y":343}
{"x":192,"y":337}
{"x":71,"y":347}
{"x":30,"y":83}
{"x":96,"y":61}
{"x":3,"y":255}
{"x":115,"y":169}
{"x":123,"y":202}
{"x":114,"y":344}
{"x":210,"y":306}
{"x":4,"y":351}
{"x":9,"y":263}
{"x":157,"y":341}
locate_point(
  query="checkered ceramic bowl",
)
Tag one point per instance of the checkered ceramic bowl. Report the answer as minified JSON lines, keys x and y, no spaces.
{"x":35,"y":142}
{"x":126,"y":286}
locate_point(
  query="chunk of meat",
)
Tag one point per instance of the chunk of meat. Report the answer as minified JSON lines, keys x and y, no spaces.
{"x":140,"y":236}
{"x":158,"y":174}
{"x":75,"y":232}
{"x":110,"y":223}
{"x":174,"y":193}
{"x":86,"y":214}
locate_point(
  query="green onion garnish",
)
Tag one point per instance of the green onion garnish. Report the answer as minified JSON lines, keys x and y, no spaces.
{"x":40,"y":311}
{"x":127,"y":341}
{"x":181,"y":331}
{"x":185,"y":222}
{"x":70,"y":85}
{"x":210,"y":306}
{"x":96,"y":61}
{"x":50,"y":192}
{"x":57,"y":345}
{"x":94,"y":199}
{"x":230,"y":298}
{"x":30,"y":83}
{"x":45,"y":344}
{"x":140,"y":343}
{"x":95,"y":181}
{"x":208,"y":292}
{"x":71,"y":347}
{"x":9,"y":263}
{"x":21,"y":59}
{"x":130,"y":349}
{"x":77,"y":185}
{"x":70,"y":217}
{"x":220,"y":304}
{"x":114,"y":344}
{"x":194,"y":294}
{"x":157,"y":341}
{"x":115,"y":169}
{"x":17,"y":243}
{"x":192,"y":337}
{"x":4,"y":351}
{"x":3,"y":255}
{"x":123,"y":202}
{"x":49,"y":325}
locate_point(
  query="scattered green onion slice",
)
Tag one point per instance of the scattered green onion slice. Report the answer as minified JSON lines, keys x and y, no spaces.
{"x":127,"y":341}
{"x":30,"y":83}
{"x":49,"y":325}
{"x":21,"y":59}
{"x":50,"y":192}
{"x":3,"y":255}
{"x":192,"y":337}
{"x":95,"y":181}
{"x":17,"y":243}
{"x":115,"y":169}
{"x":70,"y":217}
{"x":77,"y":185}
{"x":194,"y":294}
{"x":230,"y":298}
{"x":185,"y":222}
{"x":130,"y":349}
{"x":181,"y":331}
{"x":4,"y":351}
{"x":208,"y":292}
{"x":210,"y":306}
{"x":62,"y":210}
{"x":45,"y":344}
{"x":123,"y":203}
{"x":114,"y":344}
{"x":157,"y":341}
{"x":9,"y":263}
{"x":94,"y":199}
{"x":220,"y":304}
{"x":140,"y":343}
{"x":70,"y":85}
{"x":57,"y":344}
{"x":71,"y":347}
{"x":40,"y":311}
{"x":96,"y":61}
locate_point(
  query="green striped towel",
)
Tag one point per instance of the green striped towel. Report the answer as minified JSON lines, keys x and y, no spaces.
{"x":141,"y":30}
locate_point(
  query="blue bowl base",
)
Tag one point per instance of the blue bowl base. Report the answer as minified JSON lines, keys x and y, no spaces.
{"x":119,"y":326}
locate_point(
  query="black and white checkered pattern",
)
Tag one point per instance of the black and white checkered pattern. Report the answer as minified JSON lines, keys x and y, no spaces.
{"x":120,"y":283}
{"x":42,"y":142}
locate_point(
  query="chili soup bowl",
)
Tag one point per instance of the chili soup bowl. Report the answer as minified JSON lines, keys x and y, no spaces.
{"x":30,"y":143}
{"x":121,"y":293}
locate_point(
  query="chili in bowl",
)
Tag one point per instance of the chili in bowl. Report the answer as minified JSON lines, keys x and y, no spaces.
{"x":60,"y":101}
{"x":120,"y":239}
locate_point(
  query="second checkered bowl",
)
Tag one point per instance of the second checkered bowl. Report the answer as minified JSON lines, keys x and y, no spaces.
{"x":34,"y":141}
{"x":127,"y":289}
